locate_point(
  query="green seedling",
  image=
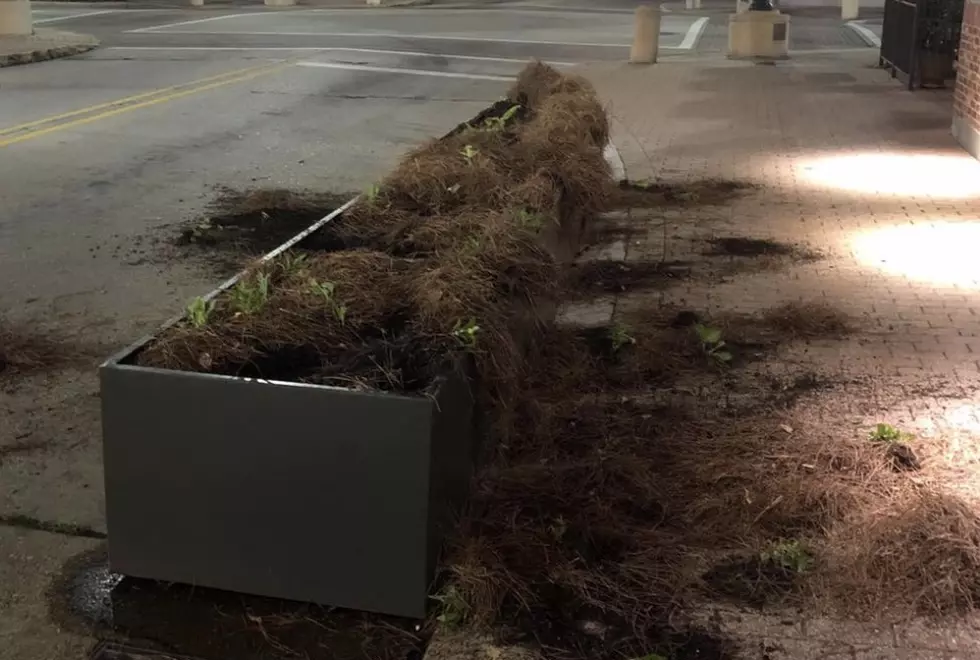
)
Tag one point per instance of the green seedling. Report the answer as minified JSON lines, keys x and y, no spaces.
{"x":558,"y":528}
{"x":530,"y":220}
{"x":293,"y":262}
{"x":466,"y":332}
{"x":199,"y":311}
{"x":469,"y":153}
{"x":887,"y":433}
{"x":500,"y":123}
{"x":712,"y":343}
{"x":248,"y":298}
{"x":619,"y":336}
{"x":453,"y":607}
{"x":340,"y":312}
{"x":792,"y":556}
{"x":326,"y":291}
{"x":372,"y":193}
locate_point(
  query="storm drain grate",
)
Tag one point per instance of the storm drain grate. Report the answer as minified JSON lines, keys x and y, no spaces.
{"x":113,"y":651}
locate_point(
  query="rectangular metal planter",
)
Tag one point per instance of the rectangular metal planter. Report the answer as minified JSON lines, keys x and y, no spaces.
{"x":296,"y":491}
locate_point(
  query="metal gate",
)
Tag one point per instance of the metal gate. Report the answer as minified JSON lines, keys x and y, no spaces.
{"x":920,"y":40}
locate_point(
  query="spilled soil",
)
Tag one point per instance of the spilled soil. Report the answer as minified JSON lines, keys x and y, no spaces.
{"x":218,"y":625}
{"x":621,"y":276}
{"x":706,"y":192}
{"x":741,"y":246}
{"x":254,"y":222}
{"x":24,"y":351}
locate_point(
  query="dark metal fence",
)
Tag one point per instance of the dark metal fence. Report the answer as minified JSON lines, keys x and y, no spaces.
{"x":920,"y":40}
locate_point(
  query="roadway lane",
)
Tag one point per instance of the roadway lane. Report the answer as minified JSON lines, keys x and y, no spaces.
{"x":103,"y":156}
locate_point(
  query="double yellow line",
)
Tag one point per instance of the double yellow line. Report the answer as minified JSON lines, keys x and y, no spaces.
{"x":93,"y":113}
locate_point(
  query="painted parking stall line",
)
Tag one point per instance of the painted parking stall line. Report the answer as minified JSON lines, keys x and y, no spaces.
{"x":338,"y":49}
{"x":72,"y":17}
{"x":408,"y":72}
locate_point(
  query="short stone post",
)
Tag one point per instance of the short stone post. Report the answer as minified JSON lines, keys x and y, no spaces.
{"x":646,"y":35}
{"x":15,"y":18}
{"x":849,"y":9}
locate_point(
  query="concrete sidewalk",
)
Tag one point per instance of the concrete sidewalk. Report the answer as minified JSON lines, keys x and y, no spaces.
{"x":851,"y":165}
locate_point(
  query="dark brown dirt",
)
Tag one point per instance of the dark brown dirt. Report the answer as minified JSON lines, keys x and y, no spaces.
{"x":23,"y":351}
{"x":254,"y":222}
{"x":495,"y":115}
{"x":903,"y":457}
{"x":752,"y":581}
{"x":708,"y":192}
{"x":809,"y":320}
{"x":218,"y":625}
{"x":741,"y":246}
{"x":623,"y":276}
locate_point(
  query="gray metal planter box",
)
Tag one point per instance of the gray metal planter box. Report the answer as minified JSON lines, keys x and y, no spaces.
{"x":295,"y":491}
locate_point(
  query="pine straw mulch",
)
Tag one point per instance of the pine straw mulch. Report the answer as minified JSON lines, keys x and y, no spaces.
{"x":457,"y":250}
{"x":611,"y":509}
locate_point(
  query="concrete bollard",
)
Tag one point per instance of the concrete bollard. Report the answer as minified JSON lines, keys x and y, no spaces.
{"x":692,"y":4}
{"x":646,"y":35}
{"x":849,"y":9}
{"x":197,"y":3}
{"x":15,"y":18}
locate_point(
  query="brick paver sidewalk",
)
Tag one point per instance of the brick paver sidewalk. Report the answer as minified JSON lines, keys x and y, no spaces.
{"x":855,"y":167}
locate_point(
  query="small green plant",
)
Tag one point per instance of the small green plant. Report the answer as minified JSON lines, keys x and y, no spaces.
{"x":558,"y":528}
{"x":619,"y":336}
{"x":887,"y":433}
{"x":500,"y":123}
{"x":466,"y":332}
{"x":712,"y":343}
{"x":469,"y":153}
{"x":372,"y":193}
{"x":249,"y":297}
{"x":326,"y":291}
{"x":340,"y":312}
{"x":530,"y":220}
{"x":453,"y":607}
{"x":792,"y":556}
{"x":199,"y":311}
{"x":293,"y":262}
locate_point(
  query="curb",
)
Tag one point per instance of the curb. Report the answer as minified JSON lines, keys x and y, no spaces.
{"x":615,"y":160}
{"x":58,"y":45}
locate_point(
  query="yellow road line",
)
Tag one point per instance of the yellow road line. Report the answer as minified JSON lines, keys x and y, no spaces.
{"x":128,"y":99}
{"x":128,"y":108}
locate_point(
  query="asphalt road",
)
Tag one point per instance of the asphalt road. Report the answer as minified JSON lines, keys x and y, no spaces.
{"x":104,"y":156}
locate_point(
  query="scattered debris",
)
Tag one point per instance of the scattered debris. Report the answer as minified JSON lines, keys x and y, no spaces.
{"x":809,"y":320}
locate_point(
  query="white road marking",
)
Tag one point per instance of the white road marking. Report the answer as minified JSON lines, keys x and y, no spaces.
{"x":74,"y":16}
{"x":154,"y":28}
{"x":865,"y":33}
{"x":409,"y":72}
{"x":372,"y":51}
{"x":408,"y":37}
{"x":693,"y":34}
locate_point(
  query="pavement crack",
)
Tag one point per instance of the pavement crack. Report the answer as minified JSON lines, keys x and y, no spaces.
{"x":21,"y":521}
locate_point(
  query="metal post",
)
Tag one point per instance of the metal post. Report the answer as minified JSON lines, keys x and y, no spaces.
{"x":646,"y":35}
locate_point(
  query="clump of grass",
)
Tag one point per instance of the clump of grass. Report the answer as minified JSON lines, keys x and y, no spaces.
{"x":712,"y":343}
{"x":791,"y":555}
{"x":811,"y":319}
{"x":888,"y":434}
